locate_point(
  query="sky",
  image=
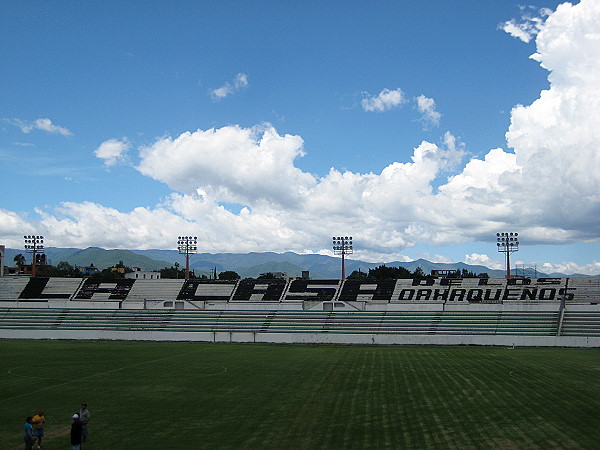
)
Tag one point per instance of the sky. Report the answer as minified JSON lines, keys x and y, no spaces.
{"x":419,"y":128}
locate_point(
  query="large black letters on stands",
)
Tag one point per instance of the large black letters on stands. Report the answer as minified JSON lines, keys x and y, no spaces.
{"x":417,"y":290}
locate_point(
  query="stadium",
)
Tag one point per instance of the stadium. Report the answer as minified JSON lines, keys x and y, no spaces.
{"x":542,"y":312}
{"x":408,"y":363}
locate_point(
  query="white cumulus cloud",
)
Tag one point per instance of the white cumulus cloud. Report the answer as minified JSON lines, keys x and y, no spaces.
{"x":112,"y":151}
{"x":239,"y":82}
{"x":483,"y":260}
{"x":426,"y":106}
{"x":39,"y":124}
{"x":544,"y":186}
{"x":556,"y":139}
{"x":235,"y":164}
{"x":571,"y":268}
{"x":528,"y":25}
{"x":384,"y":101}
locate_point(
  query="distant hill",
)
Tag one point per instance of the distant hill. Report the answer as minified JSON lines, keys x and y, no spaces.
{"x":245,"y":264}
{"x":252,"y":264}
{"x":108,"y":258}
{"x":99,"y":257}
{"x":272,"y":267}
{"x":319,"y":266}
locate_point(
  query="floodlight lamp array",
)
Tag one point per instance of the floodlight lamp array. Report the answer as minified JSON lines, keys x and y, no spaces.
{"x":33,"y":242}
{"x":187,"y":244}
{"x":342,"y":244}
{"x":507,"y":241}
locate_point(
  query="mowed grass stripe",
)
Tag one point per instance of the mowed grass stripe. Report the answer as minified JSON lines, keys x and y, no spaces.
{"x":446,"y":420}
{"x":519,"y":387}
{"x":192,"y":395}
{"x":540,"y":387}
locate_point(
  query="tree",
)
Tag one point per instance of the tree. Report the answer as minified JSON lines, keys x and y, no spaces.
{"x":62,"y":269}
{"x":172,"y":272}
{"x":266,"y":276}
{"x":418,"y":273}
{"x":19,"y":259}
{"x":389,"y":273}
{"x":468,"y":274}
{"x":67,"y":270}
{"x":111,"y":273}
{"x":357,"y":275}
{"x":48,"y":271}
{"x":229,"y":275}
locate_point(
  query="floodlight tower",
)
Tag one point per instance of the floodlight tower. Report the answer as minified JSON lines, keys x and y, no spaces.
{"x":342,"y":245}
{"x":186,"y":246}
{"x":2,"y":249}
{"x":508,"y":243}
{"x":35,"y":246}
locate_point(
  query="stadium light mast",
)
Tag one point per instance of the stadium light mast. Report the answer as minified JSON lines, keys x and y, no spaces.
{"x":2,"y":249}
{"x":508,"y":243}
{"x":35,"y":246}
{"x":186,"y":246}
{"x":342,"y":245}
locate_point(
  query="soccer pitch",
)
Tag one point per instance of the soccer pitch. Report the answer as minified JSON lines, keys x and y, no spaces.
{"x":161,"y":395}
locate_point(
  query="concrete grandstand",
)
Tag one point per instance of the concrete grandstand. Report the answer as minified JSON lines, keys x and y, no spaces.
{"x":446,"y":311}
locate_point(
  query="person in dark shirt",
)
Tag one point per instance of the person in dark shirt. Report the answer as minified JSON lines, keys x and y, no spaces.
{"x":76,"y":433}
{"x":28,"y":433}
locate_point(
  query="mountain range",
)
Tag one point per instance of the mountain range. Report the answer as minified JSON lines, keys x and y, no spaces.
{"x":248,"y":264}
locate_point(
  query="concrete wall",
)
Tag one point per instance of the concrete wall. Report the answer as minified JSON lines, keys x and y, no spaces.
{"x":308,"y":338}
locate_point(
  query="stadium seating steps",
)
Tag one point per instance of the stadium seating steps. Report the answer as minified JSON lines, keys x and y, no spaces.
{"x":540,"y":323}
{"x":581,"y":323}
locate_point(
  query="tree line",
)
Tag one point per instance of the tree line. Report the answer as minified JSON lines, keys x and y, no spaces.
{"x":384,"y":272}
{"x":65,"y":270}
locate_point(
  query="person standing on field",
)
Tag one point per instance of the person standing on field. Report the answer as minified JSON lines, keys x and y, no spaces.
{"x":76,"y":433}
{"x":39,"y":420}
{"x":28,"y":433}
{"x":84,"y":418}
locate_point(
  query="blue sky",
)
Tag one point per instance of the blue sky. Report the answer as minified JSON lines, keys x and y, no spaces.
{"x":421,"y":128}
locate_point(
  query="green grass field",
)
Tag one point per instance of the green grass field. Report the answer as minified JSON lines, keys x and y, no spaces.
{"x":159,"y":395}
